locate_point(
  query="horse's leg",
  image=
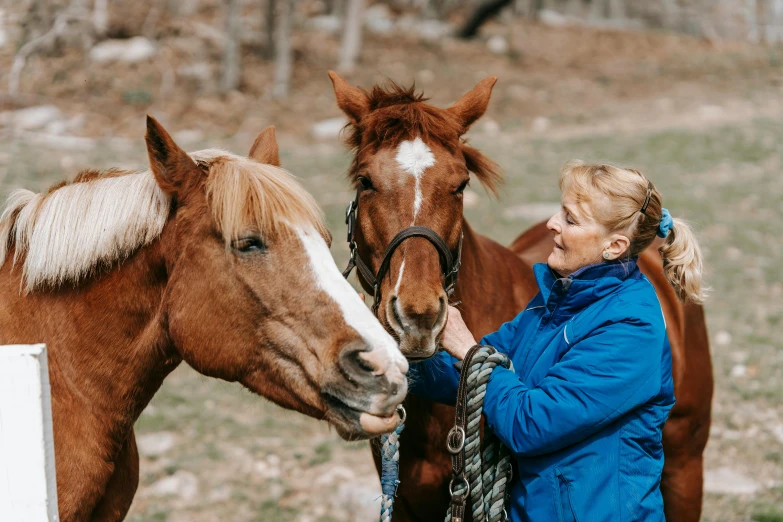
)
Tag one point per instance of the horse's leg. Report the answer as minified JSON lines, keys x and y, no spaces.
{"x":121,"y":488}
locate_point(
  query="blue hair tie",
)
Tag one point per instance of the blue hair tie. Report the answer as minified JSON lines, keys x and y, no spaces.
{"x":666,"y":224}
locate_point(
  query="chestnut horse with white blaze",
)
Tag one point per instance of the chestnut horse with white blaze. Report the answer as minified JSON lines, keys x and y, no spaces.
{"x":410,"y":168}
{"x":217,"y":260}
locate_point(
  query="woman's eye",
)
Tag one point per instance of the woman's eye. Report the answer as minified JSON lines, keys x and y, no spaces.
{"x":462,"y":187}
{"x":365,"y":183}
{"x":248,"y":245}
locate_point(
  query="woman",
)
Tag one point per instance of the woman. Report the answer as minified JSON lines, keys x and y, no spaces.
{"x":583,"y":409}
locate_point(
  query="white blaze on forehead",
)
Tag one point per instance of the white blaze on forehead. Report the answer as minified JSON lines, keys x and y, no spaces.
{"x":414,"y":157}
{"x":355,"y":313}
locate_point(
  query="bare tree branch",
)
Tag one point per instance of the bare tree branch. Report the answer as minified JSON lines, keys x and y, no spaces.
{"x":72,"y":15}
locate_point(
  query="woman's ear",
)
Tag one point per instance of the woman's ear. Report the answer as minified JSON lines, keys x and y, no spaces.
{"x":618,"y":246}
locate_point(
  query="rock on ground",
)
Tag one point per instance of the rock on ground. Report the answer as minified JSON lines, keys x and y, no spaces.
{"x":155,"y":444}
{"x":328,"y":129}
{"x":727,"y":481}
{"x":132,"y":50}
{"x":182,"y":484}
{"x":31,"y":118}
{"x":497,"y":45}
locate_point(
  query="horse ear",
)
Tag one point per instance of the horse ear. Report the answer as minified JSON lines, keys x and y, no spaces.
{"x":264,"y":149}
{"x":172,"y":167}
{"x":352,"y":101}
{"x":472,"y":105}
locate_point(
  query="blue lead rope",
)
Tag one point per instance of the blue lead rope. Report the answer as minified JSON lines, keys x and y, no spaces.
{"x":390,"y":468}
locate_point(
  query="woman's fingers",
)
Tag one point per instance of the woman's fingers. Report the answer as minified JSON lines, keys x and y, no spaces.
{"x":457,"y":339}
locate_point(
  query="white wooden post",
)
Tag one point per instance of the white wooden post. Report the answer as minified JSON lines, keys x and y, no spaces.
{"x":28,"y":490}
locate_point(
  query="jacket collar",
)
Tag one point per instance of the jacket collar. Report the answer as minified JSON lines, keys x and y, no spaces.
{"x":586,"y":285}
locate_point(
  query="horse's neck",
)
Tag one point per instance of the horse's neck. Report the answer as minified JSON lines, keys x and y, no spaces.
{"x":108,"y":349}
{"x":494,"y":283}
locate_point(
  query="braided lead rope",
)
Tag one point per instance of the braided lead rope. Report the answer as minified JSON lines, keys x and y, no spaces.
{"x":488,"y":475}
{"x":390,"y":468}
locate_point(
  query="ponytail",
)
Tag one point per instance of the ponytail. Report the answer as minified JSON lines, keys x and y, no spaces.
{"x":682,"y":262}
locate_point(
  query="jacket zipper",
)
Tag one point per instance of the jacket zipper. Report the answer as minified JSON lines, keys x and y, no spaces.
{"x":567,"y":484}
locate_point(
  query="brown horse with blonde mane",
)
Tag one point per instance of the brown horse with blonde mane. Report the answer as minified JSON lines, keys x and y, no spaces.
{"x":213,"y":259}
{"x":410,"y":168}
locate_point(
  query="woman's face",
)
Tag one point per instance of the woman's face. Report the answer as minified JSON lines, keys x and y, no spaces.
{"x":579,"y":239}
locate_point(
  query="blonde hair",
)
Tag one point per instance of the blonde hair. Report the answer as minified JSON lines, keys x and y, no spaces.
{"x":103,"y":217}
{"x":626,"y":191}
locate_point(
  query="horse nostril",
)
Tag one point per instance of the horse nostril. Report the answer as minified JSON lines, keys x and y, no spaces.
{"x":395,"y":319}
{"x":441,"y":312}
{"x":357,"y":363}
{"x":362,"y":363}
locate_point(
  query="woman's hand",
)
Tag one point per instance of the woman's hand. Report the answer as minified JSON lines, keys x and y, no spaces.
{"x":457,"y":339}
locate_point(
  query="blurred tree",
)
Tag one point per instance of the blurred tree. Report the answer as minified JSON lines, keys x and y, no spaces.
{"x":100,"y":17}
{"x":484,"y":12}
{"x":73,"y":20}
{"x":270,"y":9}
{"x":232,"y":53}
{"x":352,"y":36}
{"x":774,"y":27}
{"x":37,"y":20}
{"x":283,"y":50}
{"x":612,"y":9}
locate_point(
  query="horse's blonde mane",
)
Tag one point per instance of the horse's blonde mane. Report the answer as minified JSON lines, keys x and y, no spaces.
{"x":247,"y":196}
{"x":102,"y":218}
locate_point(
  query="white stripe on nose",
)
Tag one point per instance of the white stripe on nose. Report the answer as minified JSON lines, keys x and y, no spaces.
{"x":355,"y":313}
{"x":399,"y":278}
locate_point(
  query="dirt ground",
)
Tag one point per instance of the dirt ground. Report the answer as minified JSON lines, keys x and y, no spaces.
{"x":702,"y":120}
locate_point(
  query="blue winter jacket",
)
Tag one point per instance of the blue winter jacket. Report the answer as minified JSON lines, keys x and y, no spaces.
{"x":584,"y":408}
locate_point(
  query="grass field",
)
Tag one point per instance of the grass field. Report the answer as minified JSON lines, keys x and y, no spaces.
{"x":212,"y":451}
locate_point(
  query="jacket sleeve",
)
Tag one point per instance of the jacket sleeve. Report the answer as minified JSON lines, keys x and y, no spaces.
{"x":602,"y":377}
{"x":435,"y":379}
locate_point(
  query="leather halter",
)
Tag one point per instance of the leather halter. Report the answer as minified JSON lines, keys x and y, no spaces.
{"x":449,"y":265}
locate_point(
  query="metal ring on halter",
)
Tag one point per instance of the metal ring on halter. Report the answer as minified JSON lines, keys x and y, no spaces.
{"x":455,"y":430}
{"x":403,"y":413}
{"x":451,"y":486}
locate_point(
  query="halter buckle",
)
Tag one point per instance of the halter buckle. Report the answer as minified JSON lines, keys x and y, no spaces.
{"x":453,"y":432}
{"x":350,"y":219}
{"x":349,"y":210}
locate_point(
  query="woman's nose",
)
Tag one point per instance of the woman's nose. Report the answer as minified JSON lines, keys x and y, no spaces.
{"x":554,"y":224}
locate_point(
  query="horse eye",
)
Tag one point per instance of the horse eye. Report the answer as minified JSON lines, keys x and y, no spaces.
{"x":248,"y":245}
{"x":462,"y":187}
{"x":365,"y":183}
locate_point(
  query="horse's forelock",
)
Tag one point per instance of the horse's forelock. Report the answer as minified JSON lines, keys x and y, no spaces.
{"x":399,"y":114}
{"x":244,"y":194}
